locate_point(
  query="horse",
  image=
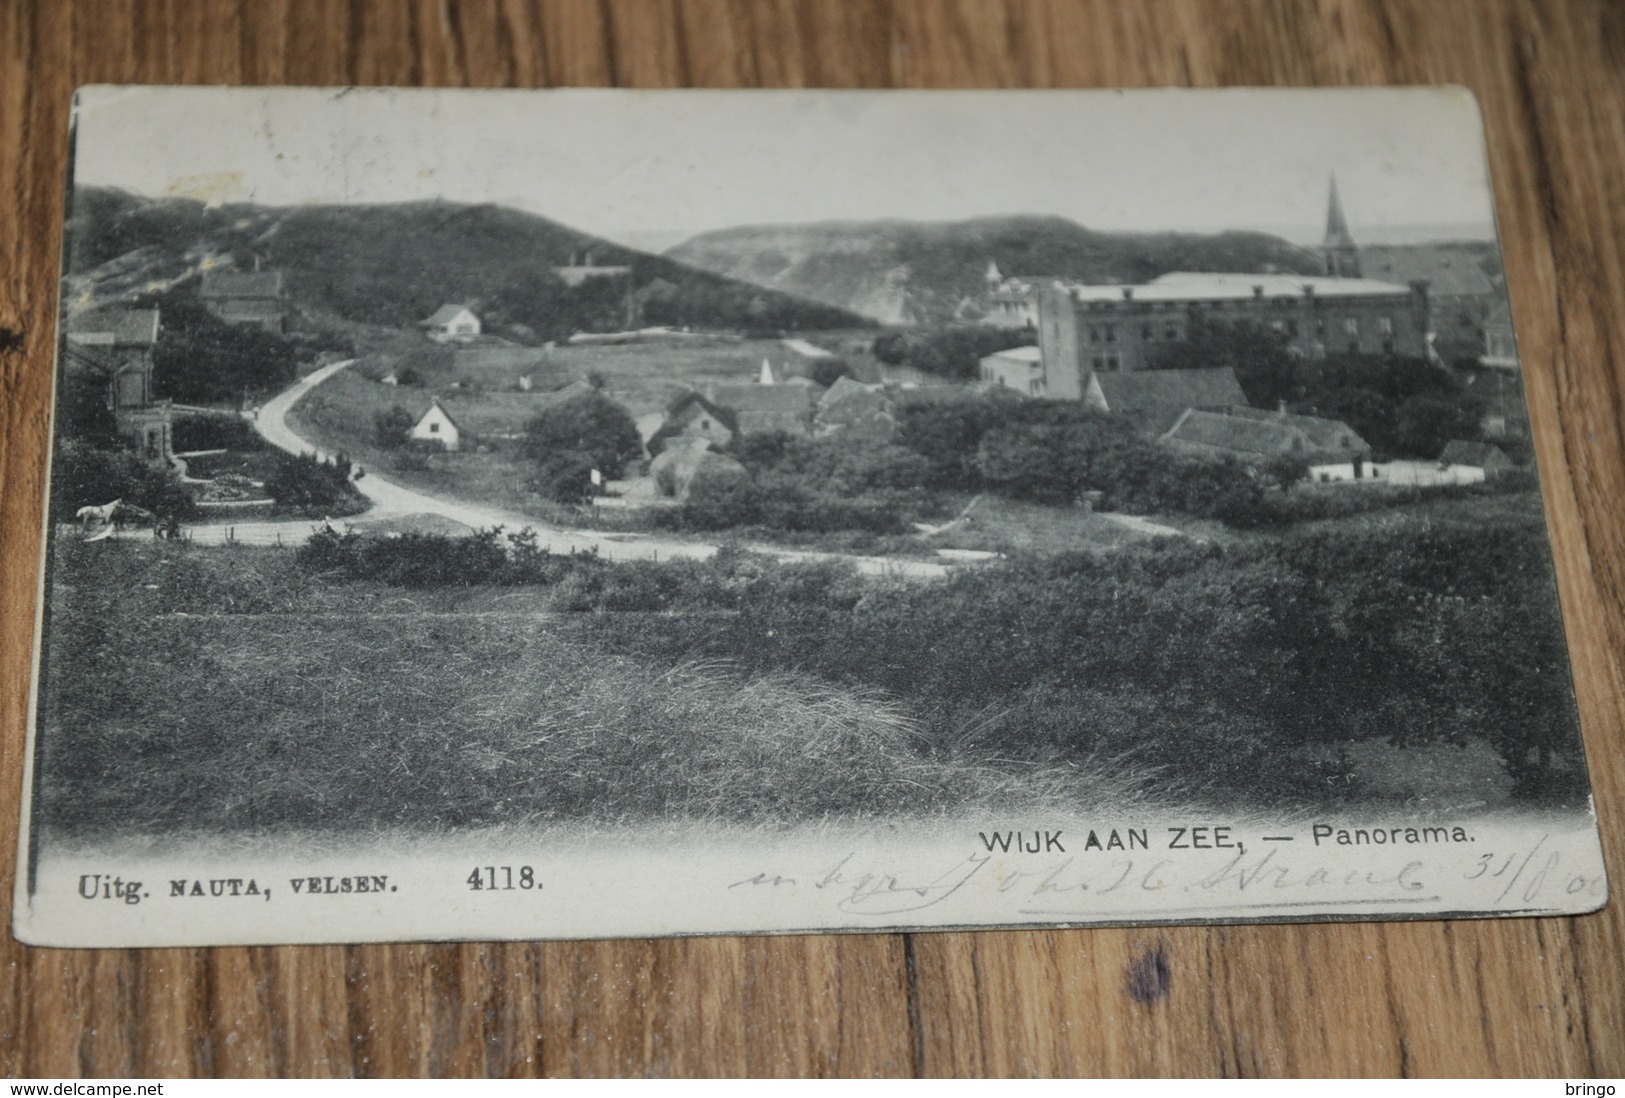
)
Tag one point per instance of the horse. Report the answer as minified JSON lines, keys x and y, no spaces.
{"x":101,"y":522}
{"x":93,"y":517}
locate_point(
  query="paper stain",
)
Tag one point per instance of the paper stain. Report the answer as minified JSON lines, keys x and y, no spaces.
{"x":210,"y":188}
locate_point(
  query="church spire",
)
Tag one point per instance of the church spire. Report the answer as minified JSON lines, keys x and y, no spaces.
{"x":1341,"y":254}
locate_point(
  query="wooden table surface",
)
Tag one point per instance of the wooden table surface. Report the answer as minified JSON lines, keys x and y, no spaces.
{"x":1506,"y":997}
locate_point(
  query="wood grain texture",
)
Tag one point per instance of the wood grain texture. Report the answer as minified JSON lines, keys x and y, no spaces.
{"x":1508,"y":997}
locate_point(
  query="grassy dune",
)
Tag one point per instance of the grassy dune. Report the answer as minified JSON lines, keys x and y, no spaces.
{"x":202,"y":690}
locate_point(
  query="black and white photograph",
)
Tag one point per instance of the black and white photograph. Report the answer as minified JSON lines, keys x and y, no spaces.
{"x":588,"y":514}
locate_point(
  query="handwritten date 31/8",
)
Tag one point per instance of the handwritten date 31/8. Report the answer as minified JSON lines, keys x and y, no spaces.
{"x":503,"y":878}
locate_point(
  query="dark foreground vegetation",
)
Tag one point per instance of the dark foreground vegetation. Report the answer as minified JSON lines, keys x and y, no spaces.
{"x":429,"y":682}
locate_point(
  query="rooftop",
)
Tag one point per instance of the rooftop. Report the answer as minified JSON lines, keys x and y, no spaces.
{"x":445,"y":315}
{"x":1019,"y":354}
{"x":232,"y":284}
{"x":1481,"y":454}
{"x":1213,"y":430}
{"x":1448,"y":273}
{"x":1326,"y":434}
{"x":117,"y":327}
{"x":1201,"y":286}
{"x":1142,"y":389}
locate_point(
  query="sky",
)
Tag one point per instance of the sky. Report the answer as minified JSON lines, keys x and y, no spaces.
{"x":634,"y":165}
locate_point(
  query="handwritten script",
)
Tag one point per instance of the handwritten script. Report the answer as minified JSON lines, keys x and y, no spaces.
{"x":1532,"y":875}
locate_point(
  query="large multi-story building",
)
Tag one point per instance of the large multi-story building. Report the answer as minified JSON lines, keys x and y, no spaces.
{"x":1107,"y":329}
{"x":115,"y":346}
{"x":1092,"y":329}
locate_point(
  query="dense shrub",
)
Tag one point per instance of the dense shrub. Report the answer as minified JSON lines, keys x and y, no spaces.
{"x":81,"y":408}
{"x":564,"y":476}
{"x":84,"y":475}
{"x":835,"y":465}
{"x":215,"y":433}
{"x":950,"y":352}
{"x":201,"y":359}
{"x":314,"y":486}
{"x":1246,"y":669}
{"x":392,"y":427}
{"x":591,"y":424}
{"x":829,"y":369}
{"x":1313,"y":503}
{"x":718,"y":503}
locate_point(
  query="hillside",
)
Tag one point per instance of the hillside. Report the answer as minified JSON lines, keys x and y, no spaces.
{"x":395,"y":264}
{"x":909,"y":272}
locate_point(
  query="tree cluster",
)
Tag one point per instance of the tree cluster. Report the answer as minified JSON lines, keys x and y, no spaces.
{"x":1404,"y":407}
{"x":952,"y":352}
{"x":1055,"y":451}
{"x":314,"y":486}
{"x":200,"y":359}
{"x":570,"y":439}
{"x":85,"y":474}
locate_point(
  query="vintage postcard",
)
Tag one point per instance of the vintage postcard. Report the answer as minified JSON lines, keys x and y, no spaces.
{"x":610,"y":513}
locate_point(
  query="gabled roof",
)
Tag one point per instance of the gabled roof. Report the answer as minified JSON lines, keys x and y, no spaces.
{"x":434,"y":402}
{"x":763,"y":398}
{"x":681,"y":410}
{"x":1234,"y":434}
{"x":1019,"y":354}
{"x":445,"y":315}
{"x":1142,"y":390}
{"x":913,"y":396}
{"x":1324,"y":434}
{"x":843,"y":388}
{"x":576,"y":389}
{"x":230,"y":284}
{"x":1449,"y":273}
{"x":1481,"y":454}
{"x":118,"y":327}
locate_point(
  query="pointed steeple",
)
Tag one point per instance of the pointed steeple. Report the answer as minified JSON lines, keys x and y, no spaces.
{"x":992,"y":276}
{"x":1341,"y":254}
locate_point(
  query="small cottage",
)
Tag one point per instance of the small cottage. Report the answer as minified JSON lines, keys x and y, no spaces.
{"x":117,"y":346}
{"x":1019,"y":368}
{"x":857,"y":412}
{"x":436,"y":425}
{"x":244,"y":297}
{"x":1253,"y":435}
{"x":451,"y":323}
{"x":692,"y":417}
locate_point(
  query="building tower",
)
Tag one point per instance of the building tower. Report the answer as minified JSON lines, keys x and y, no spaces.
{"x":1341,"y":255}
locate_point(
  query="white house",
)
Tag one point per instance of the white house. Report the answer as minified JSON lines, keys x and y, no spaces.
{"x":1020,"y":368}
{"x":451,"y":323}
{"x":436,"y":425}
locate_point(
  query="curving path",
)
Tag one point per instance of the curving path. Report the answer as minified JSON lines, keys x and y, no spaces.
{"x":390,"y":499}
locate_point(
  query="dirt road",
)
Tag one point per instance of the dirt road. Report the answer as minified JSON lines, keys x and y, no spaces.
{"x":390,"y":499}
